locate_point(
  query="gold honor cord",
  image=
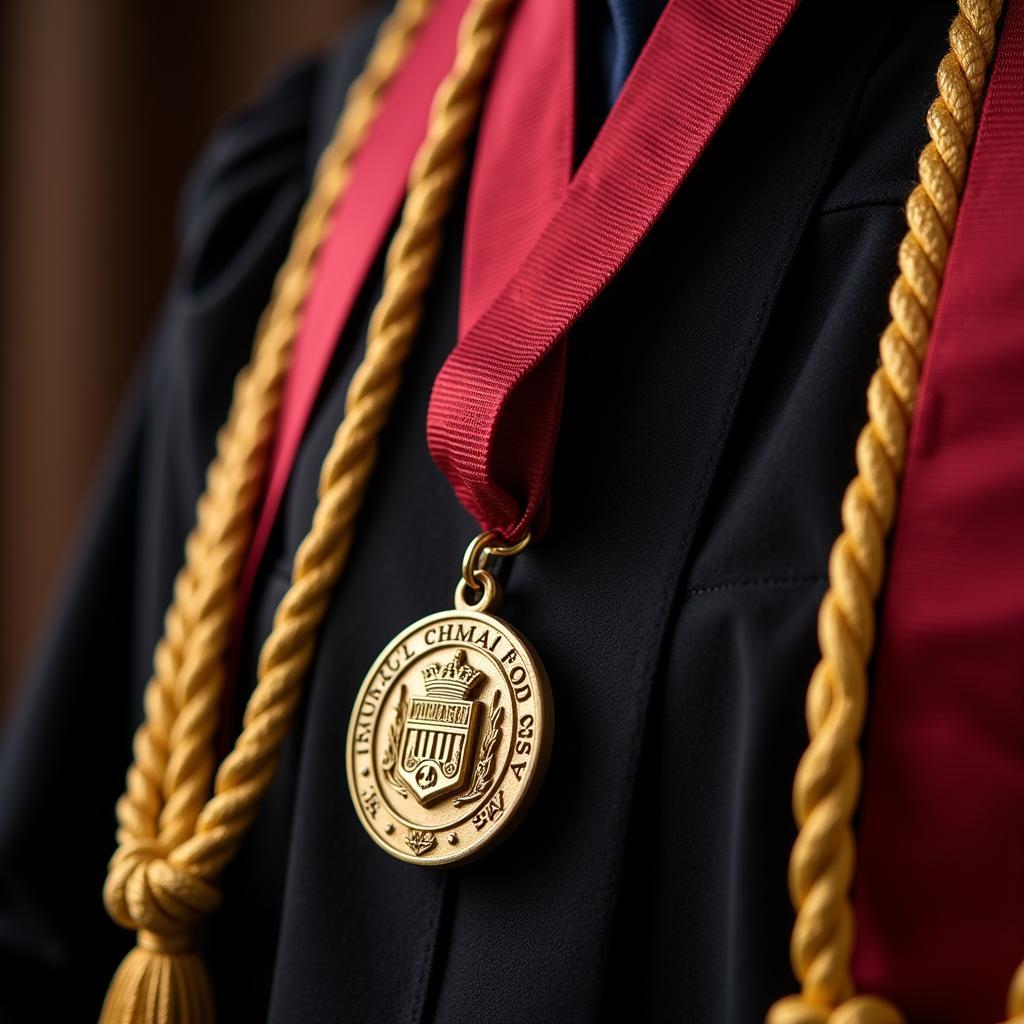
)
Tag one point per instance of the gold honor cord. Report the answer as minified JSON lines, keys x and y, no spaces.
{"x":827,"y":785}
{"x":173,"y":841}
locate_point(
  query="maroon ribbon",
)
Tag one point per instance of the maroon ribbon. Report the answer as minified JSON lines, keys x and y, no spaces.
{"x":539,"y":246}
{"x":494,"y":414}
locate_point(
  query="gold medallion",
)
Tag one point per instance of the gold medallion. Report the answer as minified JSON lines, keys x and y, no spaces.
{"x":450,"y":734}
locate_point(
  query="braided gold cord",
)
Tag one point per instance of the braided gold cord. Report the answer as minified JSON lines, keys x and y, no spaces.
{"x":169,"y":779}
{"x":828,"y":779}
{"x":173,"y":841}
{"x":248,"y":769}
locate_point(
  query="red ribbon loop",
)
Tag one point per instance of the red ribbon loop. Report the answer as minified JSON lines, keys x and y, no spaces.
{"x":496,"y":406}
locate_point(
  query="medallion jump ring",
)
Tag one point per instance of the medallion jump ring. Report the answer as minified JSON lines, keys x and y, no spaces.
{"x":474,"y":559}
{"x":482,"y":548}
{"x":483,"y":581}
{"x":507,"y":550}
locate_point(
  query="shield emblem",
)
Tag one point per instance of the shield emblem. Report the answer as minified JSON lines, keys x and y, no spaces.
{"x":439,"y":734}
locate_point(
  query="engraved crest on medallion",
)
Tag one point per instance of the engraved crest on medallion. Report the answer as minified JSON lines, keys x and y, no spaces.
{"x":448,"y":738}
{"x":438,"y":732}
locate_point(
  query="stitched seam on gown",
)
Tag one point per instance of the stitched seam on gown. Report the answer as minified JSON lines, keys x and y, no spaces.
{"x":865,"y":204}
{"x":756,"y":583}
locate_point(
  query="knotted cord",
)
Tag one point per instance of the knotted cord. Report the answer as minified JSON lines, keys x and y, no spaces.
{"x":173,"y":841}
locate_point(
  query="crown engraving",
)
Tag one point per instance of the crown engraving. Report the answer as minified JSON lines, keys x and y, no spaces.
{"x":455,"y":680}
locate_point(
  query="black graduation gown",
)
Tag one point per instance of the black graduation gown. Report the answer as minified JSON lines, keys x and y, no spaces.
{"x":715,"y":392}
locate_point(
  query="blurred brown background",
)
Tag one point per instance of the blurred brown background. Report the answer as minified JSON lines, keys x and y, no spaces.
{"x":104,"y":105}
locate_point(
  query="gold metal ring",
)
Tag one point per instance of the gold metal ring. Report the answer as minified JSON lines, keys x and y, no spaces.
{"x":507,"y":550}
{"x":475,"y":557}
{"x":484,"y":547}
{"x":483,"y":581}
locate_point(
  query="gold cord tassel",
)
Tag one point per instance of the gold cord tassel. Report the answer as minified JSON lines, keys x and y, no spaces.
{"x":155,"y":983}
{"x":827,"y":785}
{"x":162,"y":978}
{"x":174,"y":840}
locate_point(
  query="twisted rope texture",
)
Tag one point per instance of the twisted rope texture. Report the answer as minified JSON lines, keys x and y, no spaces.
{"x":828,"y":779}
{"x":169,"y":779}
{"x":173,"y":841}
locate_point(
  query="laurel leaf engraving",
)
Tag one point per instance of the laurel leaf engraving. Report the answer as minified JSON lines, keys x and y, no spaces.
{"x":484,"y":771}
{"x":389,"y":762}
